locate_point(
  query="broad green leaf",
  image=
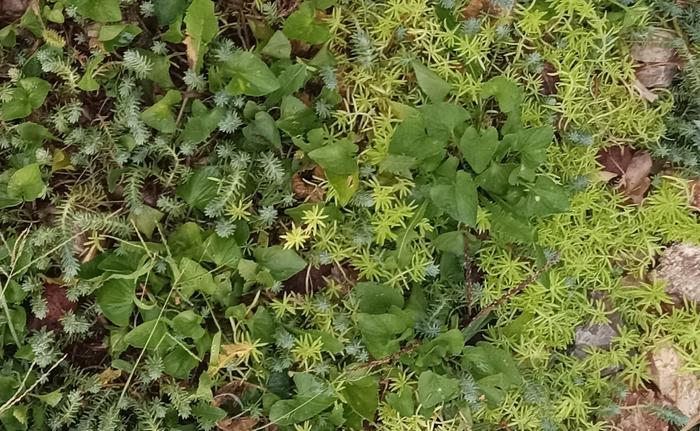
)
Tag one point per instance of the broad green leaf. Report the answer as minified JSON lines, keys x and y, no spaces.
{"x":187,"y":241}
{"x":532,"y":144}
{"x":543,"y":198}
{"x":194,"y":278}
{"x":262,"y":325}
{"x":344,"y":186}
{"x":32,"y":22}
{"x":407,"y":235}
{"x":416,"y":138}
{"x":495,"y":178}
{"x":26,"y":183}
{"x":278,"y":46}
{"x":311,"y":399}
{"x":295,"y":117}
{"x":401,"y":402}
{"x":249,"y":75}
{"x":262,"y":132}
{"x":117,"y":35}
{"x":160,"y":116}
{"x":222,"y":251}
{"x":29,"y":94}
{"x":507,"y":93}
{"x":201,"y":187}
{"x":303,"y":25}
{"x":290,"y":80}
{"x":8,"y":36}
{"x":466,"y":199}
{"x":116,"y":300}
{"x":281,"y":263}
{"x":89,"y":82}
{"x":146,"y":219}
{"x":149,"y":335}
{"x":434,"y":389}
{"x":375,"y":298}
{"x":363,"y":396}
{"x":450,"y":242}
{"x":167,"y":11}
{"x":201,"y":26}
{"x":433,"y":352}
{"x":178,"y":363}
{"x":51,"y":399}
{"x":458,"y":200}
{"x":188,"y":324}
{"x":54,"y":14}
{"x":174,"y":33}
{"x":208,"y":414}
{"x":98,"y":10}
{"x":445,"y":116}
{"x":382,"y":333}
{"x":160,"y":72}
{"x":494,"y":369}
{"x":435,"y":87}
{"x":202,"y":123}
{"x":511,"y":226}
{"x":478,"y":148}
{"x":337,"y":157}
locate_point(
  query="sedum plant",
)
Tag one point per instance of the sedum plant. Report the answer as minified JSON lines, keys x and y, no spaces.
{"x":326,"y":215}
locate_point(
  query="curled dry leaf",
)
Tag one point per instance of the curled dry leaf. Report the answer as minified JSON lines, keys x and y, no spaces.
{"x":237,"y":424}
{"x":315,"y":278}
{"x":695,"y":194}
{"x":474,"y":8}
{"x":657,"y":64}
{"x":286,"y":7}
{"x":635,"y":417}
{"x":629,"y":169}
{"x":191,"y":50}
{"x":305,"y":184}
{"x":550,"y":79}
{"x":680,"y":387}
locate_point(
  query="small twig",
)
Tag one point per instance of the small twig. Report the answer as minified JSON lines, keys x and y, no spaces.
{"x":406,"y":349}
{"x":17,"y":398}
{"x":468,"y":277}
{"x":514,"y":291}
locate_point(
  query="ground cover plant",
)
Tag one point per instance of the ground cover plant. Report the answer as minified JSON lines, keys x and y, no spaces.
{"x":349,"y":214}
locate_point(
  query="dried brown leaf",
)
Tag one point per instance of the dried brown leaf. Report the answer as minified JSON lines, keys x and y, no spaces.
{"x":192,"y":54}
{"x":237,"y":424}
{"x":636,"y":181}
{"x":644,"y":92}
{"x":631,"y":169}
{"x":474,"y":8}
{"x":635,"y":417}
{"x":550,"y":79}
{"x":305,"y":184}
{"x":615,"y":159}
{"x":657,"y":75}
{"x":655,"y":48}
{"x":695,"y":194}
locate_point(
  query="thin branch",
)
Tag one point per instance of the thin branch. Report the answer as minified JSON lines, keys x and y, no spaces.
{"x":514,"y":291}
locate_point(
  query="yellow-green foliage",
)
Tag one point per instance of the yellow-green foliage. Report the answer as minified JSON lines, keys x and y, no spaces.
{"x":605,"y":244}
{"x":599,"y":239}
